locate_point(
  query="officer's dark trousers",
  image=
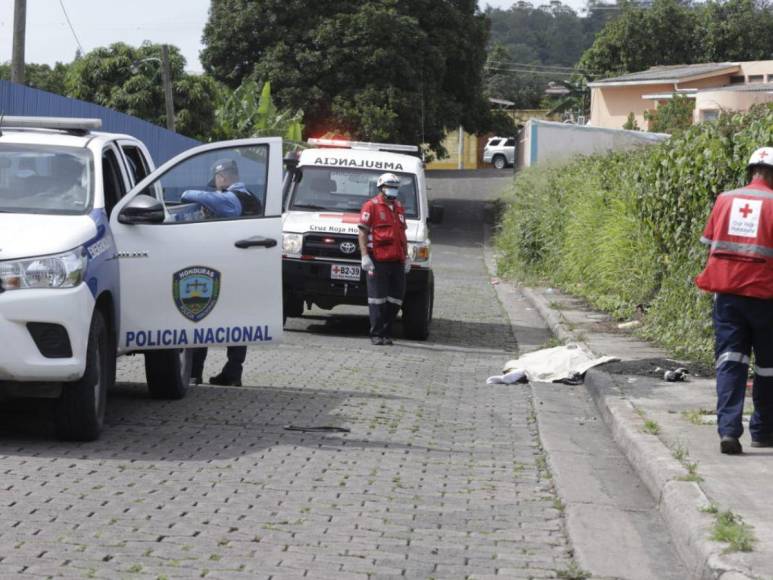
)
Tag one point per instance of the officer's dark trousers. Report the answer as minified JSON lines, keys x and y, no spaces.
{"x":743,"y":325}
{"x":232,"y":369}
{"x":386,"y":287}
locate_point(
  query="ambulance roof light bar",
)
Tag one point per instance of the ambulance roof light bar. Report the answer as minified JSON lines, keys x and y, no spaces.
{"x":74,"y":125}
{"x":346,"y":144}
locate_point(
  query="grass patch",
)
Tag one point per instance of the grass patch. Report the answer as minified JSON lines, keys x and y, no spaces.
{"x":732,"y":530}
{"x":573,"y":572}
{"x":682,"y":455}
{"x":651,"y":427}
{"x":695,"y":416}
{"x":553,"y":342}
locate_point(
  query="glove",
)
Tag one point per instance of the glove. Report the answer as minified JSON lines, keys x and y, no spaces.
{"x":367,"y":264}
{"x":407,"y":264}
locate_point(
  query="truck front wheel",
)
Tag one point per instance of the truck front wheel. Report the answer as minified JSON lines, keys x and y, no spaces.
{"x":168,"y":372}
{"x":293,"y":306}
{"x":80,"y":410}
{"x":500,"y":162}
{"x":417,"y":313}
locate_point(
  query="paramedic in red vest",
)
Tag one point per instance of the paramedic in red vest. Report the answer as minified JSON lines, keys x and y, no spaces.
{"x":384,"y":251}
{"x":740,"y":273}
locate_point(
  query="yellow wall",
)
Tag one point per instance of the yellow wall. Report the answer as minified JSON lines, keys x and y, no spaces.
{"x":451,"y":143}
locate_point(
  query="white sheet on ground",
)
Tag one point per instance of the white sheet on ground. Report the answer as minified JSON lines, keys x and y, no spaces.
{"x":555,"y":364}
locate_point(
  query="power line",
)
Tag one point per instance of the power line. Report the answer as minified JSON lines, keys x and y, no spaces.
{"x":555,"y":74}
{"x":530,"y":65}
{"x":546,"y":67}
{"x":66,"y":17}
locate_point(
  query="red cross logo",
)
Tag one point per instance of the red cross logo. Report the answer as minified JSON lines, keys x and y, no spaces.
{"x":746,"y":210}
{"x":764,"y":154}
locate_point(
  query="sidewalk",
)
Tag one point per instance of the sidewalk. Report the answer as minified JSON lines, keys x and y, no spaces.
{"x":666,"y":431}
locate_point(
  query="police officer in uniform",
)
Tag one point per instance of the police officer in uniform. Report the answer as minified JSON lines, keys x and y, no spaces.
{"x":231,"y":198}
{"x":739,"y":271}
{"x":384,"y":251}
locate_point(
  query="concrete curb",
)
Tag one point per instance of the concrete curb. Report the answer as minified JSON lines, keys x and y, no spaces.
{"x":679,"y":502}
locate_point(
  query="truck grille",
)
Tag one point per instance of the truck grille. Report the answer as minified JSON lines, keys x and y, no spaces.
{"x":331,"y":246}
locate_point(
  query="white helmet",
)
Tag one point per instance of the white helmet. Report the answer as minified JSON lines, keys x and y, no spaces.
{"x":762,"y":157}
{"x":388,"y":180}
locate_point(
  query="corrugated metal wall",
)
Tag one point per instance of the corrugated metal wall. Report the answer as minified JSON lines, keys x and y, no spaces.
{"x":20,"y":100}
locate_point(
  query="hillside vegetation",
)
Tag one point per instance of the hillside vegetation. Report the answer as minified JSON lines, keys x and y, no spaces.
{"x":623,"y":229}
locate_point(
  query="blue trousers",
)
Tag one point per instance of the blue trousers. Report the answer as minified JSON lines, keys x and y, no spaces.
{"x":386,"y":287}
{"x":743,"y":325}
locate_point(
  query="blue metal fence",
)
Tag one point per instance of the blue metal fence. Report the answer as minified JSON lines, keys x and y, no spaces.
{"x":20,"y":100}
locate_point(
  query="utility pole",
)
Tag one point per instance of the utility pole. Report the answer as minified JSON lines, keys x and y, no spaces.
{"x":166,"y":79}
{"x":19,"y":33}
{"x":461,"y":148}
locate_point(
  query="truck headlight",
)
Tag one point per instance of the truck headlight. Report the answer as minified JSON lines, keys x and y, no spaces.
{"x":418,"y":251}
{"x":292,"y":244}
{"x":58,"y":271}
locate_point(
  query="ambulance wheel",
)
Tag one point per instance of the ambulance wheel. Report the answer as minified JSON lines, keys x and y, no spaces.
{"x":80,"y":411}
{"x":168,"y":372}
{"x":500,"y":162}
{"x":417,"y":313}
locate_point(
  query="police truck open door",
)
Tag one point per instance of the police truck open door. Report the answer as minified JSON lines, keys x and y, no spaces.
{"x":190,"y":279}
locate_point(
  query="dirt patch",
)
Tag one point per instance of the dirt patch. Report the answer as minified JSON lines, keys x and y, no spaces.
{"x":656,"y":367}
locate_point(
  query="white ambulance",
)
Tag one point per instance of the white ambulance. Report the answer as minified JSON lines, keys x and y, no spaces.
{"x":325,"y":187}
{"x":98,"y":257}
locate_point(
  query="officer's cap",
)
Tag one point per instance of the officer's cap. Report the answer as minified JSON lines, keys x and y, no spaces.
{"x":223,"y":165}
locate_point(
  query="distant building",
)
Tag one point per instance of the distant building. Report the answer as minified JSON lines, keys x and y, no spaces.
{"x":716,"y":87}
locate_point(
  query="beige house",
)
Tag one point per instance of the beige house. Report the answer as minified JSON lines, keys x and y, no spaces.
{"x":716,"y":87}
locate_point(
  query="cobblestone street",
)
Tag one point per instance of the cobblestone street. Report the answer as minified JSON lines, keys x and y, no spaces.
{"x":440,"y":476}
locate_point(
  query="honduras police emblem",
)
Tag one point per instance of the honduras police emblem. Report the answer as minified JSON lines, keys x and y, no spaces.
{"x":195,"y":290}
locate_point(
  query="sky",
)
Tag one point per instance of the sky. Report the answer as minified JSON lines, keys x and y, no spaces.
{"x":103,"y":22}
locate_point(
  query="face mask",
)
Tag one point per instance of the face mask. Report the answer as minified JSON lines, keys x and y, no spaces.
{"x":390,"y":192}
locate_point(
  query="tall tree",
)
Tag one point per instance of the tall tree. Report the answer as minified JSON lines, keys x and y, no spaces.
{"x":678,"y":32}
{"x":525,"y":38}
{"x":666,"y":32}
{"x":398,"y":70}
{"x":737,"y":30}
{"x":128,"y":79}
{"x":503,"y":81}
{"x":41,"y":76}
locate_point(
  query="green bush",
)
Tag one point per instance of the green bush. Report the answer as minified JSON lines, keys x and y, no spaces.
{"x":623,"y":229}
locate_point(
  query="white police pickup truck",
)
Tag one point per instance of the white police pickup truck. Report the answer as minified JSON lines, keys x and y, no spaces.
{"x":325,"y":187}
{"x":98,"y":257}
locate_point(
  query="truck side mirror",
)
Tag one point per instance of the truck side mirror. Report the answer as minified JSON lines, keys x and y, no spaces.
{"x":436,"y":214}
{"x":143,"y":209}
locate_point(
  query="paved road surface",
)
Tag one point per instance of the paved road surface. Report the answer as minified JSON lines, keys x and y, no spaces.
{"x":441,"y":476}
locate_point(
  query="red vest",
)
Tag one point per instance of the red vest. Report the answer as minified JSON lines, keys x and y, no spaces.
{"x":386,"y":230}
{"x":740,"y":234}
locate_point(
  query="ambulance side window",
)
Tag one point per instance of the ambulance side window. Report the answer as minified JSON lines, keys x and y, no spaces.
{"x":112,"y":180}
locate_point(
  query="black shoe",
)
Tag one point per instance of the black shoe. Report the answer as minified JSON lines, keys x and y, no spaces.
{"x":386,"y":340}
{"x":730,"y":445}
{"x":377,"y":340}
{"x":764,"y":442}
{"x":224,"y":381}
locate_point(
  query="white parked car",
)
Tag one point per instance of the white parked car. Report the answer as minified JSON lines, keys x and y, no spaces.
{"x":500,"y":151}
{"x":99,"y":258}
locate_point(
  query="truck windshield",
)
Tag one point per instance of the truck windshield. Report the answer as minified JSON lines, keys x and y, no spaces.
{"x":333,"y":189}
{"x":45,"y":179}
